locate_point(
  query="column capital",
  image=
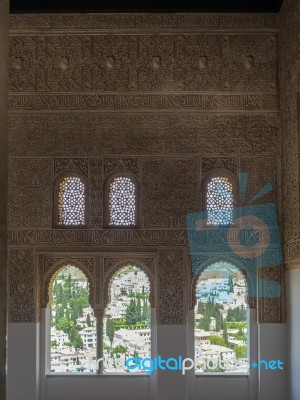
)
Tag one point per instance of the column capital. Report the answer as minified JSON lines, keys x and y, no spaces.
{"x":99,"y":313}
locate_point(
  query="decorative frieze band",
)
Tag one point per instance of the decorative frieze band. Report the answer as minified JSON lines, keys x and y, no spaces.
{"x":91,"y":135}
{"x":80,"y":237}
{"x":165,"y":63}
{"x":149,"y":22}
{"x":151,"y":102}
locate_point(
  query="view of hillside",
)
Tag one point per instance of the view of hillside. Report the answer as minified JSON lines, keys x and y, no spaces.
{"x":221,"y":320}
{"x":73,"y":326}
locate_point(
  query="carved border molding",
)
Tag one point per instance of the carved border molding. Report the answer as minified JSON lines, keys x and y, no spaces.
{"x":209,"y":164}
{"x":292,"y":252}
{"x":118,"y":165}
{"x":272,"y":309}
{"x":108,"y":237}
{"x":149,"y":22}
{"x":71,"y":164}
{"x":22,"y":285}
{"x":20,"y":103}
{"x":172,"y":286}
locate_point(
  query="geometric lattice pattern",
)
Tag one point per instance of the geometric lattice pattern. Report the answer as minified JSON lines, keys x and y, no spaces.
{"x":219,"y":201}
{"x":71,"y":201}
{"x":122,"y":202}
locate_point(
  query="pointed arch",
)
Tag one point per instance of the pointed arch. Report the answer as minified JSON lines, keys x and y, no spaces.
{"x":117,"y":267}
{"x":56,"y":268}
{"x":246,"y":269}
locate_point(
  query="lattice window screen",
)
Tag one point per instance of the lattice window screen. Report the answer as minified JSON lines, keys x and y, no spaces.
{"x":219,"y":200}
{"x":71,"y":201}
{"x":122,"y":202}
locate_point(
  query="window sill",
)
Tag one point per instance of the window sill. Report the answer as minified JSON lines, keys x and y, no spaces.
{"x":55,"y":375}
{"x":221,"y":375}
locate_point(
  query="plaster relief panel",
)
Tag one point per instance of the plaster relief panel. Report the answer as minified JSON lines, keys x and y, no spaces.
{"x":29,"y":193}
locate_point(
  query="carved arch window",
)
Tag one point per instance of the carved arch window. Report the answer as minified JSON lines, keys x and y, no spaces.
{"x":102,"y":290}
{"x":70,"y":200}
{"x":121,"y":196}
{"x":128,"y":297}
{"x":220,"y":298}
{"x":220,"y":196}
{"x":68,"y":292}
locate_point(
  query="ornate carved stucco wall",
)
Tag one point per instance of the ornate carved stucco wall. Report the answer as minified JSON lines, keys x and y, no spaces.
{"x":166,"y":97}
{"x":4,"y":11}
{"x":289,"y":106}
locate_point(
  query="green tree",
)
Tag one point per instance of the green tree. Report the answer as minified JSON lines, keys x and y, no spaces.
{"x":240,"y":351}
{"x":110,"y":330}
{"x":77,"y":342}
{"x":204,"y":323}
{"x":230,"y":284}
{"x":146,"y":311}
{"x":131,"y":314}
{"x":139,"y":309}
{"x":120,"y":349}
{"x":59,"y":314}
{"x":225,"y":334}
{"x":64,"y":325}
{"x":72,"y":334}
{"x":217,"y":340}
{"x":88,"y":320}
{"x":201,"y":308}
{"x":58,"y":294}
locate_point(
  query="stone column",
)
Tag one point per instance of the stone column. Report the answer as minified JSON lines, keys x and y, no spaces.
{"x":99,"y":315}
{"x":4,"y":11}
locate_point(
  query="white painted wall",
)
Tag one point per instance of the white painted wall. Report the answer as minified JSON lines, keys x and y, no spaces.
{"x":222,"y":388}
{"x":272,"y":345}
{"x":172,"y":342}
{"x":98,"y":388}
{"x":293,"y":337}
{"x":24,"y":352}
{"x":23,"y":361}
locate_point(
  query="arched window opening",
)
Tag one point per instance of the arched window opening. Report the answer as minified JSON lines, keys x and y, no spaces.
{"x":122,"y":201}
{"x":221,"y":320}
{"x":219,"y":201}
{"x":71,"y":201}
{"x":73,"y":326}
{"x":127,"y":324}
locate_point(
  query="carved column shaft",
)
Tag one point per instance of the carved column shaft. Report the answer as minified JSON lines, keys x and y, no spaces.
{"x":99,"y":314}
{"x":4,"y":11}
